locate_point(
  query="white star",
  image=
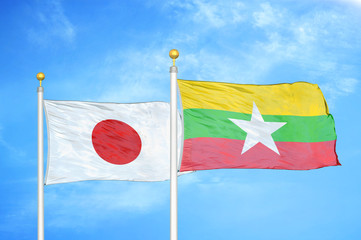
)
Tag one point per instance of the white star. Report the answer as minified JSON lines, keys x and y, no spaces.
{"x":258,"y":130}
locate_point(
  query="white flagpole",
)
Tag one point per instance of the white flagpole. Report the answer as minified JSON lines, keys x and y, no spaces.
{"x":173,"y":149}
{"x":40,"y":76}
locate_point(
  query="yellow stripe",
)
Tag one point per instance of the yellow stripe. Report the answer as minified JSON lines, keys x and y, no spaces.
{"x":299,"y":99}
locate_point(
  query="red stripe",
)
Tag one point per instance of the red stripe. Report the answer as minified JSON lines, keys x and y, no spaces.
{"x":215,"y":153}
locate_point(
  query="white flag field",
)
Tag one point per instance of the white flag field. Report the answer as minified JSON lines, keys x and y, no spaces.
{"x":108,"y":141}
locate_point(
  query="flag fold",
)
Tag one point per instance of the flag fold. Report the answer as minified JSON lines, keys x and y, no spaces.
{"x":108,"y":141}
{"x":281,"y":126}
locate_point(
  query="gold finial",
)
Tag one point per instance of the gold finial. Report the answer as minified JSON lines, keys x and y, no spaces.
{"x":173,"y":54}
{"x":40,"y":76}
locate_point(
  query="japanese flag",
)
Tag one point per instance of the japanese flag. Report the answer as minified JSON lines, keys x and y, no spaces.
{"x":108,"y":141}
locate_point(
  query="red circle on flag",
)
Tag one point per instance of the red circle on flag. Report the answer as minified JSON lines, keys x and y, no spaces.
{"x":116,"y":142}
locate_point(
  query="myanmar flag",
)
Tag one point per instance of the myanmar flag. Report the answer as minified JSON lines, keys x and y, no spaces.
{"x":281,"y":126}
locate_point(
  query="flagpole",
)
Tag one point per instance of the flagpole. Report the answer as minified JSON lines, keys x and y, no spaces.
{"x":40,"y":76}
{"x":173,"y":149}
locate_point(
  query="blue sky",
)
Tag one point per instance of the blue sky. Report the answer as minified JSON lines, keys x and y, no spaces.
{"x":118,"y":51}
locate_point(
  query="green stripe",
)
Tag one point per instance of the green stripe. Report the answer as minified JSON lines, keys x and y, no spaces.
{"x":216,"y":123}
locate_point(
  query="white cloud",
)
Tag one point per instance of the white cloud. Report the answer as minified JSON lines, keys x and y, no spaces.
{"x":14,"y":151}
{"x":353,"y":2}
{"x":348,"y":85}
{"x":85,"y":204}
{"x":243,"y":196}
{"x":89,"y":203}
{"x":218,"y":15}
{"x":268,"y":16}
{"x":306,"y":41}
{"x":214,"y":14}
{"x":132,"y":76}
{"x":52,"y":24}
{"x":339,"y":88}
{"x":282,"y":37}
{"x":17,"y":220}
{"x":304,"y":34}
